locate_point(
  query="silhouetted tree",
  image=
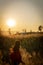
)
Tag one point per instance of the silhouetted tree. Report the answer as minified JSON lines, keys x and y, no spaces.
{"x":40,"y":28}
{"x":9,"y":31}
{"x":24,"y":30}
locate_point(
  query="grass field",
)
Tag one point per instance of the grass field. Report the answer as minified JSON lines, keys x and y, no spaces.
{"x":31,"y":48}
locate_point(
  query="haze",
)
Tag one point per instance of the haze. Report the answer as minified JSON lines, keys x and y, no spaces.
{"x":27,"y":13}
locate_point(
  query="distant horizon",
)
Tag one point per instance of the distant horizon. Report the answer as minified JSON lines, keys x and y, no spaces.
{"x":22,"y":31}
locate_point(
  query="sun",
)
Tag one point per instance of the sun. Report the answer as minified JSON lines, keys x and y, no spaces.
{"x":11,"y":23}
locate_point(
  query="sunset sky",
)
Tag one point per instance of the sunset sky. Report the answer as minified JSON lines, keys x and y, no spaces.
{"x":28,"y":14}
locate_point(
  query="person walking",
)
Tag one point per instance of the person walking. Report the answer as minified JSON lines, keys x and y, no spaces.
{"x":15,"y":55}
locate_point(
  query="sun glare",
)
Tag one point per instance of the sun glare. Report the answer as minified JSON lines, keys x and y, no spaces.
{"x":11,"y":22}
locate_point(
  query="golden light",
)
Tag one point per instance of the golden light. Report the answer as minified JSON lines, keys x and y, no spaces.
{"x":11,"y":22}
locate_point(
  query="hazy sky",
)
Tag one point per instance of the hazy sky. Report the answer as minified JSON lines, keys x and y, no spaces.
{"x":27,"y":13}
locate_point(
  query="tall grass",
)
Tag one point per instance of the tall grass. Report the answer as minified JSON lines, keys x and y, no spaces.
{"x":31,"y":48}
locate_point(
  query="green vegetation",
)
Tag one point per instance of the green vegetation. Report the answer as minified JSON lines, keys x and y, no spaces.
{"x":31,"y":44}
